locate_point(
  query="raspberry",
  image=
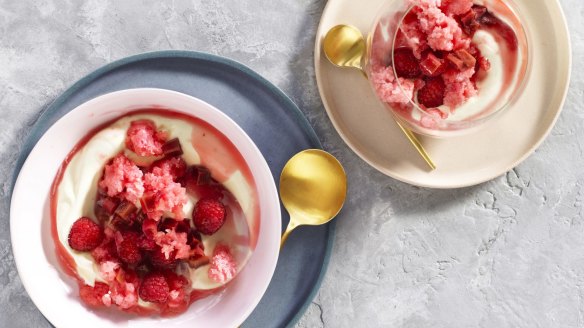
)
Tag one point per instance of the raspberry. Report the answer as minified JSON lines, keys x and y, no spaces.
{"x":175,"y":281}
{"x":85,"y":235}
{"x":93,"y":296}
{"x":208,"y":216}
{"x":178,"y":296}
{"x":432,"y":94}
{"x":158,"y":259}
{"x":127,"y":247}
{"x":154,"y":288}
{"x":146,"y":243}
{"x":405,"y":63}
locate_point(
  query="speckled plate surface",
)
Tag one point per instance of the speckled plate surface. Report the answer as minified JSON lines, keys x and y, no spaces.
{"x":267,"y":115}
{"x":504,"y":142}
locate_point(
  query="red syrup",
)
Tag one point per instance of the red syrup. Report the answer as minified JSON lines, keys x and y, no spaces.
{"x":216,"y":152}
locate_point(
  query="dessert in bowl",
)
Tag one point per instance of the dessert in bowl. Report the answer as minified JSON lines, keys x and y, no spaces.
{"x":161,"y":206}
{"x":444,"y":67}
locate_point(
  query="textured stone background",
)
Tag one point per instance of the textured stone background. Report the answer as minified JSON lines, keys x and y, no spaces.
{"x":508,"y":253}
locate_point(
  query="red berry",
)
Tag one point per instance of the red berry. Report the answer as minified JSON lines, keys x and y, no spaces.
{"x":93,"y":296}
{"x":178,"y":299}
{"x":432,"y":94}
{"x":85,"y":235}
{"x":128,"y":247}
{"x":406,"y":64}
{"x":154,"y":288}
{"x":208,"y":216}
{"x":146,"y":243}
{"x":175,"y":281}
{"x":158,"y":259}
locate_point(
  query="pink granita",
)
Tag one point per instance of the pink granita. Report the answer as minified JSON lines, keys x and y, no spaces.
{"x":387,"y":88}
{"x":163,"y":194}
{"x":431,"y":121}
{"x":171,"y":241}
{"x":414,"y":38}
{"x":459,"y":87}
{"x":106,"y":299}
{"x":123,"y":178}
{"x":108,"y":270}
{"x":456,"y":7}
{"x":124,"y":295}
{"x":412,"y":35}
{"x":144,"y":139}
{"x":223,"y":266}
{"x":443,"y":31}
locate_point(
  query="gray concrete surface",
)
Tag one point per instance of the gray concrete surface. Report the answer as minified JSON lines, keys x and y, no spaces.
{"x":508,"y":253}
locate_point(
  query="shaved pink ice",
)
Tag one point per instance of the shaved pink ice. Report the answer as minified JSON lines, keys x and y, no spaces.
{"x":387,"y":88}
{"x":223,"y":266}
{"x":170,"y":195}
{"x":443,"y":31}
{"x":170,"y":241}
{"x":123,"y":177}
{"x":144,"y":139}
{"x":459,"y":87}
{"x":108,"y":270}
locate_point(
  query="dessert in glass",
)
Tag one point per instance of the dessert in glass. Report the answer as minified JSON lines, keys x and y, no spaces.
{"x":444,"y":67}
{"x":153,"y":211}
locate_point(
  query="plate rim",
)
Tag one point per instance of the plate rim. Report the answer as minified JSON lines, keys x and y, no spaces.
{"x":354,"y":147}
{"x":51,"y":110}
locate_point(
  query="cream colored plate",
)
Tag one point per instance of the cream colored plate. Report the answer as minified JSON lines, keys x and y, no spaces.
{"x":499,"y":146}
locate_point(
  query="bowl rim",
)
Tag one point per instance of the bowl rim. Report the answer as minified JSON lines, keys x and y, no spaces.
{"x":263,"y":171}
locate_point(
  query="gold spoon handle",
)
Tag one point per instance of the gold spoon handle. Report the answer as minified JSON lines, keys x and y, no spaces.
{"x":414,"y":140}
{"x":291,"y":226}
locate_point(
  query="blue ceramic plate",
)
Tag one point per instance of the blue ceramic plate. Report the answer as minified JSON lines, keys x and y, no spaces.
{"x":267,"y":115}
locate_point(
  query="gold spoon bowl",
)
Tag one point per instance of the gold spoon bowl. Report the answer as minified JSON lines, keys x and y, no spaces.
{"x":313,"y":188}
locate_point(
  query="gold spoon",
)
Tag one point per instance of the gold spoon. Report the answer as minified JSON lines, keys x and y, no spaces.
{"x":313,"y":188}
{"x":344,"y":46}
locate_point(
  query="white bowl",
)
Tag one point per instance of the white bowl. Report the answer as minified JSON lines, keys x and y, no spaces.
{"x":56,"y":294}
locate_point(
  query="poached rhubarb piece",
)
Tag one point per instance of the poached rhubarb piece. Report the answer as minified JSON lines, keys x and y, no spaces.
{"x":435,"y":60}
{"x":141,"y":240}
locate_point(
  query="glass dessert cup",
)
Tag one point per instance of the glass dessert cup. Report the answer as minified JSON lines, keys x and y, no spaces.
{"x":496,"y":89}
